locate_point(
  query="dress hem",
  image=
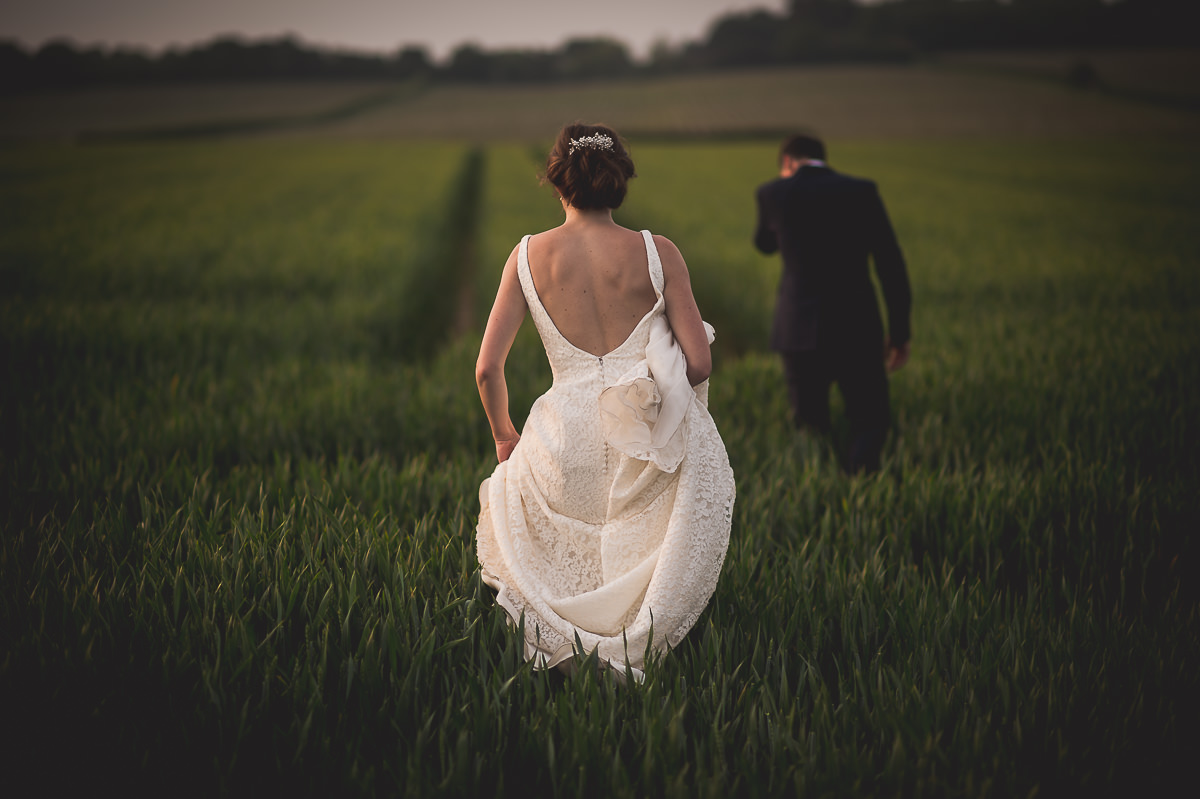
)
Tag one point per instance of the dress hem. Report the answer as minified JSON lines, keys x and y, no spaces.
{"x":561,"y":658}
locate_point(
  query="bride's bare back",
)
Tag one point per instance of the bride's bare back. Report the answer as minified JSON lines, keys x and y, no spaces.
{"x":591,"y":275}
{"x":593,"y":281}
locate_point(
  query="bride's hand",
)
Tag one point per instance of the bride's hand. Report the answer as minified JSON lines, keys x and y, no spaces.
{"x":504,"y":447}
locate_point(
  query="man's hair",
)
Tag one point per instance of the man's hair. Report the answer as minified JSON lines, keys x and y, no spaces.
{"x":802,"y":147}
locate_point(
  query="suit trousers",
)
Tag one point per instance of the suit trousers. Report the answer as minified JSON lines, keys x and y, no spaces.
{"x":863,"y":383}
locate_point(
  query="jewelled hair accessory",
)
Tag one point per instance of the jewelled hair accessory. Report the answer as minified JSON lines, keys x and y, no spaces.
{"x":597,"y":141}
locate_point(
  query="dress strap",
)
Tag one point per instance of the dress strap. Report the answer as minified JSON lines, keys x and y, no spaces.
{"x":527,"y":287}
{"x":523,"y":266}
{"x":523,"y":274}
{"x":655,"y":263}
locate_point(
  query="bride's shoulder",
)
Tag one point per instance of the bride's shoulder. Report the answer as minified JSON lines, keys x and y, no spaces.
{"x":546,"y":238}
{"x":661,"y":242}
{"x":673,"y":264}
{"x":667,"y":251}
{"x":544,"y":243}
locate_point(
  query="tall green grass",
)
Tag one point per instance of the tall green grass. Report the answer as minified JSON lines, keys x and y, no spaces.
{"x":701,"y":196}
{"x":239,"y":489}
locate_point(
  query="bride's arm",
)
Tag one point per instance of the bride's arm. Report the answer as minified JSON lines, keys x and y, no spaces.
{"x":682,"y":312}
{"x":503,"y":323}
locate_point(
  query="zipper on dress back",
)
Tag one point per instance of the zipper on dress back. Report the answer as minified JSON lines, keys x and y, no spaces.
{"x":607,"y":446}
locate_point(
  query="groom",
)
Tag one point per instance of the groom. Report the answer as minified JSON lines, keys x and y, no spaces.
{"x":827,"y":324}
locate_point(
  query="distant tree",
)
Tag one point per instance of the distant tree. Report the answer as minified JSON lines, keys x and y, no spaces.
{"x":1153,"y":22}
{"x":57,"y":63}
{"x":809,"y":31}
{"x":15,"y":66}
{"x":129,"y":65}
{"x":468,"y":63}
{"x":1056,"y":22}
{"x":664,"y":57}
{"x":522,"y":66}
{"x":746,"y":39}
{"x":812,"y":31}
{"x":411,"y":62}
{"x":586,"y":59}
{"x":828,"y":14}
{"x":947,"y":24}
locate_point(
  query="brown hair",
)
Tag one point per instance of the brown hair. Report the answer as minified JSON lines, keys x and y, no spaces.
{"x":802,"y":147}
{"x":589,"y":179}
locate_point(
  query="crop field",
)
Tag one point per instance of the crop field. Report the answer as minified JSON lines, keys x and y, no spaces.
{"x":956,"y":96}
{"x":242,"y":448}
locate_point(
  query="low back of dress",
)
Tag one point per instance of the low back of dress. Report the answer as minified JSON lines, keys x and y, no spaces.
{"x":569,"y":451}
{"x":563,"y":355}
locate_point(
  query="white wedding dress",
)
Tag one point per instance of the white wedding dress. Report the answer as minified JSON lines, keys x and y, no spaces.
{"x":608,"y":525}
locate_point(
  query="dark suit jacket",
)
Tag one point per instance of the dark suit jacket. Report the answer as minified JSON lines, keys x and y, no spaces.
{"x":828,"y":226}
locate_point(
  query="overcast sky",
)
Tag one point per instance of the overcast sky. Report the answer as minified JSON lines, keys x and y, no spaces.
{"x":378,"y":25}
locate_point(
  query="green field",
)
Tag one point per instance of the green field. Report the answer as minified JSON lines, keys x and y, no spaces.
{"x":981,"y":95}
{"x":242,"y":449}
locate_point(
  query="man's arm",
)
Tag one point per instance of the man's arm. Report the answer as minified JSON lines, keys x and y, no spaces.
{"x":893,"y":276}
{"x":765,"y":238}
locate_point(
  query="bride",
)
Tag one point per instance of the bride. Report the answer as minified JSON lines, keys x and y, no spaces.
{"x":605,"y":523}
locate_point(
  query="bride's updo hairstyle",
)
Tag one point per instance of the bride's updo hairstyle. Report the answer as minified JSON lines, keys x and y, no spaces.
{"x":590,"y":167}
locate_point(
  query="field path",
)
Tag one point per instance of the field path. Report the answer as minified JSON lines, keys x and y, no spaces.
{"x":436,"y":304}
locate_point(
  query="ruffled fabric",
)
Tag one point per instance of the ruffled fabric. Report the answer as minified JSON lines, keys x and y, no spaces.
{"x":644,"y":412}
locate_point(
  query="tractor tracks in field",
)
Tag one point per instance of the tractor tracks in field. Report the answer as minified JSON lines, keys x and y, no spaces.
{"x":464,"y":220}
{"x":435,"y":304}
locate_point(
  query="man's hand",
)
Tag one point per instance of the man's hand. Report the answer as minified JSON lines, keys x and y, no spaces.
{"x":894,"y":357}
{"x":504,"y":448}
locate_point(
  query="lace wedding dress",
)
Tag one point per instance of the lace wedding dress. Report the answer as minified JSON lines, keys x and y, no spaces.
{"x":608,"y":524}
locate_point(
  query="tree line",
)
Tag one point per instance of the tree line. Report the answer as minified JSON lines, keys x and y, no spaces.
{"x":809,"y":31}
